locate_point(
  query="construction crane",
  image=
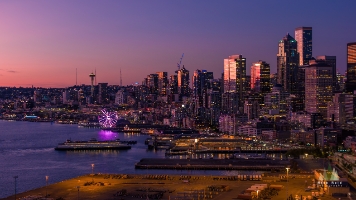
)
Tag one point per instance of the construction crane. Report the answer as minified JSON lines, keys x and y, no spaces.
{"x":180,"y":62}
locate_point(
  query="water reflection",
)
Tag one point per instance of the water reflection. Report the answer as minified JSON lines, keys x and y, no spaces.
{"x":107,"y":135}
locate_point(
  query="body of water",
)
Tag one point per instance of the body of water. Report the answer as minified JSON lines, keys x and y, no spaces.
{"x":27,"y":151}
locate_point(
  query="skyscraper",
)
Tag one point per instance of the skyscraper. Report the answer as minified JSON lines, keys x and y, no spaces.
{"x":351,"y":67}
{"x":196,"y":83}
{"x":330,"y":60}
{"x":200,"y":86}
{"x":152,"y":83}
{"x":162,"y":82}
{"x":235,"y":76}
{"x":318,"y":87}
{"x":183,"y":82}
{"x":304,"y":36}
{"x":260,"y":77}
{"x":173,"y":84}
{"x":287,"y":64}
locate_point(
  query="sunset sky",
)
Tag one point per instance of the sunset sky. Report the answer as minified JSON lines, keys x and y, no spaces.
{"x":42,"y":43}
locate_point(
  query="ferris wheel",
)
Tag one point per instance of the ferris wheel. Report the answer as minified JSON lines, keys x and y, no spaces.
{"x":107,"y":119}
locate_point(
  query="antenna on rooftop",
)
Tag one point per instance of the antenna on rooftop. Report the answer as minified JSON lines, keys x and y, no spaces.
{"x":76,"y":77}
{"x":120,"y":78}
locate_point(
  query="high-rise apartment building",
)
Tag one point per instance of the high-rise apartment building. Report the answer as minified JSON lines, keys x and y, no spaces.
{"x":318,"y":87}
{"x":304,"y":36}
{"x":162,"y":82}
{"x":200,"y":86}
{"x":195,"y":84}
{"x":287,"y":64}
{"x":152,"y":83}
{"x":351,"y":67}
{"x":120,"y":97}
{"x":235,"y":76}
{"x":183,"y":82}
{"x":260,"y":77}
{"x":173,"y":84}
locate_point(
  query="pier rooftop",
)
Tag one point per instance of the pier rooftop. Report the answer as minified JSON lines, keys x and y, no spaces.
{"x":135,"y":187}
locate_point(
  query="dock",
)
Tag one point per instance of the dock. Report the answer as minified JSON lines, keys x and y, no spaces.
{"x":212,"y":164}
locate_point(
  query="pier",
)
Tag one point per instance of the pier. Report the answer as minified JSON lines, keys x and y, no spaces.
{"x":212,"y":164}
{"x":225,"y":150}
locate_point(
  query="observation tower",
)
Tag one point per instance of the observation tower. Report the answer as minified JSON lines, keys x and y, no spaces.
{"x":92,"y":77}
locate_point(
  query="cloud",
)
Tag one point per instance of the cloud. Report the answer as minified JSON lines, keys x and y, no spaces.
{"x":9,"y":70}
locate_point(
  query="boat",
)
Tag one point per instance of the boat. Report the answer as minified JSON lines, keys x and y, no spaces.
{"x":150,"y":131}
{"x":127,"y":129}
{"x":92,"y":144}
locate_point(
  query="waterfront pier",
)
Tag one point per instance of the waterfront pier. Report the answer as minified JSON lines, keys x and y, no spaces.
{"x":212,"y":164}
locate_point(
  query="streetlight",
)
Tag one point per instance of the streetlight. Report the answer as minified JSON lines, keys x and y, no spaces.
{"x":78,"y":191}
{"x":92,"y":168}
{"x":15,"y":177}
{"x":306,"y":156}
{"x":46,"y":184}
{"x":287,"y":168}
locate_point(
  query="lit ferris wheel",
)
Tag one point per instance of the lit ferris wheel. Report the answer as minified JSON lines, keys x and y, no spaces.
{"x":107,"y":119}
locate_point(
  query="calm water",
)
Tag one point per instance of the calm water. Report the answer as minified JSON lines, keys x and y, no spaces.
{"x":27,"y":151}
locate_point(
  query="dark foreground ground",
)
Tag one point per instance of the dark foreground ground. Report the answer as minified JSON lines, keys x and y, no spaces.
{"x":135,"y":187}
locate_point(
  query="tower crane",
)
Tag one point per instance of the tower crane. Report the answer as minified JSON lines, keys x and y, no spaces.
{"x":180,"y":62}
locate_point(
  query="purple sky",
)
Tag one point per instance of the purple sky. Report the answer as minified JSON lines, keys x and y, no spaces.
{"x":43,"y":42}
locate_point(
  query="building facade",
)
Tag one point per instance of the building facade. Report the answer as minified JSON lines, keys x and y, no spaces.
{"x":162,"y":83}
{"x":287,"y":64}
{"x":330,"y":60}
{"x":235,"y":76}
{"x":351,"y":67}
{"x":304,"y":38}
{"x":183,"y":82}
{"x":260,"y":77}
{"x":340,"y":110}
{"x":318,"y":87}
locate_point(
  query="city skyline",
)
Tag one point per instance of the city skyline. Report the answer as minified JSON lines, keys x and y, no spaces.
{"x":44,"y":43}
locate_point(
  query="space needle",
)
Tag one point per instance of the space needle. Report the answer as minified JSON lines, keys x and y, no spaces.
{"x":92,"y":77}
